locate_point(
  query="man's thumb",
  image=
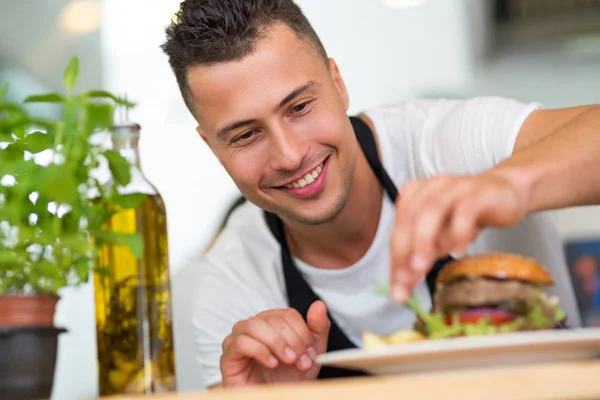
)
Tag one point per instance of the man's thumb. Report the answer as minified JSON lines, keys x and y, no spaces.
{"x":319,"y":324}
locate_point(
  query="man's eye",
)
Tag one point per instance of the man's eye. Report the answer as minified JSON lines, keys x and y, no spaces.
{"x":244,"y":136}
{"x":301,"y":107}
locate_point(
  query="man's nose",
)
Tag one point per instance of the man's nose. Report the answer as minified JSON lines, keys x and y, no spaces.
{"x":287,"y":150}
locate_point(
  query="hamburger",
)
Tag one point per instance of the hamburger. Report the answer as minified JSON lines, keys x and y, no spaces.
{"x":490,"y":294}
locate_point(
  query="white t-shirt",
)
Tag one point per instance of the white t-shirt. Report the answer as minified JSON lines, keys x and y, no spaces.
{"x":242,"y":274}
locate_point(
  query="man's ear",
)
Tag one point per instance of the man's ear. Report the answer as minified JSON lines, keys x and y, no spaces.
{"x":339,"y":82}
{"x":203,"y":136}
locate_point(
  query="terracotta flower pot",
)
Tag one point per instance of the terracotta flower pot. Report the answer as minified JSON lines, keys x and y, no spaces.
{"x":28,"y":345}
{"x":27,"y":310}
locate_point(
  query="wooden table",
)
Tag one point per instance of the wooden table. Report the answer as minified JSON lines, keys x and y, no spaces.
{"x":566,"y":380}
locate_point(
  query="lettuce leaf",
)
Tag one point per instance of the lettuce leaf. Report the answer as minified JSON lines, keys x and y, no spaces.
{"x":540,"y":313}
{"x":536,"y":317}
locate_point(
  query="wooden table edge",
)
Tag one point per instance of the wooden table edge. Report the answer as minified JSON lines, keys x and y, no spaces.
{"x":564,"y":380}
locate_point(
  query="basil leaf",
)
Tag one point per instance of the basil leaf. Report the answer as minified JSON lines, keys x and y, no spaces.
{"x":99,"y":116}
{"x":119,"y":167}
{"x":102,"y":270}
{"x":37,"y":142}
{"x":129,"y":201}
{"x":134,"y":241}
{"x":45,"y":98}
{"x":71,"y":73}
{"x":98,"y":215}
{"x":106,"y":95}
{"x":3,"y":90}
{"x":60,"y":185}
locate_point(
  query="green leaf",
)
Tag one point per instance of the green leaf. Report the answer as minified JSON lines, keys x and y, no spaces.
{"x":11,"y":153}
{"x":134,"y":241}
{"x":20,"y":167}
{"x":6,"y":137}
{"x":9,"y":124}
{"x":58,"y":284}
{"x":70,"y":222}
{"x":102,"y":270}
{"x":47,"y":269}
{"x":14,"y":115}
{"x":60,"y":185}
{"x":47,"y":124}
{"x":99,"y":116}
{"x":3,"y":90}
{"x":45,"y":98}
{"x":82,"y":269}
{"x":130,"y":200}
{"x":8,"y":257}
{"x":119,"y":167}
{"x":78,"y":244}
{"x":37,"y":142}
{"x":10,"y":107}
{"x":107,"y":95}
{"x":71,"y":73}
{"x":98,"y":215}
{"x":11,"y":215}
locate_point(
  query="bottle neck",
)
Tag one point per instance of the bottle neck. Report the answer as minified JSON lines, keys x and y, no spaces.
{"x":125,"y":140}
{"x":128,"y":149}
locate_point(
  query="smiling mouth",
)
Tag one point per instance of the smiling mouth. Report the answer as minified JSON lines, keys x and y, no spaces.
{"x":306,"y":179}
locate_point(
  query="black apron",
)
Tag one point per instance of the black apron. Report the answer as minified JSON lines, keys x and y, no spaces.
{"x":299,"y":293}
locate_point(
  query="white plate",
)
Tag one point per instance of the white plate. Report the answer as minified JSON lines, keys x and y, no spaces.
{"x":471,"y":352}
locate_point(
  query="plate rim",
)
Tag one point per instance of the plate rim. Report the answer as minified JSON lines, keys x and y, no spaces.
{"x":450,"y":345}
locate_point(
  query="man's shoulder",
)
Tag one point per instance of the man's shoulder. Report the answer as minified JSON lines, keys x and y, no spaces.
{"x":244,"y":243}
{"x":411,"y":107}
{"x":242,"y":266}
{"x":420,"y":107}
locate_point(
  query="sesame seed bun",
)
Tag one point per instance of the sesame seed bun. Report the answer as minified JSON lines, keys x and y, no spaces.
{"x":504,"y":266}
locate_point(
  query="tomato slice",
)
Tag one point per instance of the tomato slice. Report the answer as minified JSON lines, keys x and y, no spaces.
{"x":493,"y":315}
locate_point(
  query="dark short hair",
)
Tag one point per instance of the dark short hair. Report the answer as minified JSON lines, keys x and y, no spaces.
{"x":206,"y":32}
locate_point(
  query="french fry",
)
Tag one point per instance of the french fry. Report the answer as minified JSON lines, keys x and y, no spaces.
{"x":372,"y":340}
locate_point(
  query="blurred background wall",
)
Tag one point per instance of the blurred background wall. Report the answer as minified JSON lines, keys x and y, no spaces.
{"x":387,"y":50}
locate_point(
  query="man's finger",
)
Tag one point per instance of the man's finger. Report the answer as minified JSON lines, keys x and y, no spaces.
{"x":242,"y":347}
{"x":319,"y":324}
{"x":258,"y":329}
{"x":295,"y":321}
{"x":431,"y":225}
{"x":403,"y":221}
{"x":435,"y":205}
{"x":295,"y":342}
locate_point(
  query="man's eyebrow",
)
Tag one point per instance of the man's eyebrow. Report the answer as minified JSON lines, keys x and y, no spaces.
{"x":296,"y":92}
{"x":223,"y":132}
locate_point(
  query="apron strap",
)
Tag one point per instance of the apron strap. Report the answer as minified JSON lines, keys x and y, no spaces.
{"x":369,"y":147}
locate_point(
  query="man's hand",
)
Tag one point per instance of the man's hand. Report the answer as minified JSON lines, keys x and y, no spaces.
{"x":444,"y":214}
{"x":275,"y":346}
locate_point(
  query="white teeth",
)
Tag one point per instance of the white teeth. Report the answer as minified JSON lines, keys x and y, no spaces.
{"x":306,"y":179}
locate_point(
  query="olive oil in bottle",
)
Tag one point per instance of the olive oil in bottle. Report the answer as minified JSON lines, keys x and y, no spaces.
{"x":133,"y":298}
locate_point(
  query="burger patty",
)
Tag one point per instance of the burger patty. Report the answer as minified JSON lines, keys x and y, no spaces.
{"x":481,"y":292}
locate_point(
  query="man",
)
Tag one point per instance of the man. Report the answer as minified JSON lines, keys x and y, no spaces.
{"x":292,"y":274}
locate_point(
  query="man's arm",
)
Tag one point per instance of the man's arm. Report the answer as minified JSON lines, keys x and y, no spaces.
{"x":556,"y":161}
{"x":555,"y":164}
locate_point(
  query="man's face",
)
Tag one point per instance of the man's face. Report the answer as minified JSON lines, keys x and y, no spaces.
{"x":277,"y":122}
